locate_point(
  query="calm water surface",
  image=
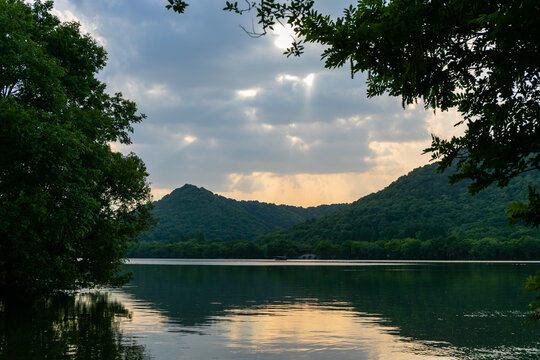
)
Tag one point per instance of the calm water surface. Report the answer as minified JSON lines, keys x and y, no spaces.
{"x":288,"y":310}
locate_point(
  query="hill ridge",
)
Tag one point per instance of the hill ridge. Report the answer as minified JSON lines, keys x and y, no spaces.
{"x":195,"y":211}
{"x":421,"y":204}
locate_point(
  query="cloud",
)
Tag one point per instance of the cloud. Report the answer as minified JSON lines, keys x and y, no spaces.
{"x":308,"y":80}
{"x":283,"y":36}
{"x":146,"y":94}
{"x":390,"y":160}
{"x":158,"y":193}
{"x":121,"y":148}
{"x":443,"y":123}
{"x":248,"y":93}
{"x":219,"y":103}
{"x":298,"y":142}
{"x":87,"y":25}
{"x":297,"y":189}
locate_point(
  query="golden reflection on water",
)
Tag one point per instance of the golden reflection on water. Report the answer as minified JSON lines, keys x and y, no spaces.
{"x":306,"y":330}
{"x":309,"y":328}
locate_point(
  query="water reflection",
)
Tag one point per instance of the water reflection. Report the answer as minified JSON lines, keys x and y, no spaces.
{"x":306,"y":330}
{"x":395,"y":312}
{"x":313,"y":331}
{"x":87,"y":326}
{"x":267,"y":312}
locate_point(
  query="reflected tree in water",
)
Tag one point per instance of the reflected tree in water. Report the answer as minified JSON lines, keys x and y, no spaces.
{"x":82,"y":327}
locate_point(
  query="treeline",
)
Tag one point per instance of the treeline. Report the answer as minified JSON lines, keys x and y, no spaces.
{"x":523,"y":248}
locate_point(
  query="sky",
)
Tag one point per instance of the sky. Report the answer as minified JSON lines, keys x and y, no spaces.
{"x":232,"y":114}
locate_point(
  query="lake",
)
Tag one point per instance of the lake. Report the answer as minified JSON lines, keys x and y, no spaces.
{"x":201,"y":309}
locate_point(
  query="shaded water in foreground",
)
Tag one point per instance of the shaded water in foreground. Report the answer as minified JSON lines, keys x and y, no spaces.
{"x":275,"y":310}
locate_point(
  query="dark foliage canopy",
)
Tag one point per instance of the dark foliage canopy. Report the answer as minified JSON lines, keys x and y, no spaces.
{"x":68,"y":203}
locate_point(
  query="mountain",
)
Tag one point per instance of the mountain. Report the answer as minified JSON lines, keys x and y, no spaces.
{"x":191,"y":211}
{"x":421,"y":205}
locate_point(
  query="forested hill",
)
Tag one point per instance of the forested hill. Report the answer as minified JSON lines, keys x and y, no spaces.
{"x":421,"y":205}
{"x":193,"y":212}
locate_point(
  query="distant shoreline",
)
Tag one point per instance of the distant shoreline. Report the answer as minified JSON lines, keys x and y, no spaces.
{"x":300,"y":262}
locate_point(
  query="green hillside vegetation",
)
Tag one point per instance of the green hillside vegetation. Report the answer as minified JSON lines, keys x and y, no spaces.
{"x":419,"y":216}
{"x":424,"y":206}
{"x":192,"y":212}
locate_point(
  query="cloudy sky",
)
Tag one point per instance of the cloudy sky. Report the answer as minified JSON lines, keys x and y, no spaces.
{"x":232,"y":114}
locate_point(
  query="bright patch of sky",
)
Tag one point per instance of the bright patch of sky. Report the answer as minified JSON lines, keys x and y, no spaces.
{"x":284,"y":36}
{"x":248,"y":93}
{"x":233,"y":114}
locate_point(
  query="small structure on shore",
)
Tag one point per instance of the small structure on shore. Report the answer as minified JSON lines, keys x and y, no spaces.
{"x":307,"y":254}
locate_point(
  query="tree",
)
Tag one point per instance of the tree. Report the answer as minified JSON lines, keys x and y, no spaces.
{"x":479,"y":56}
{"x":68,"y":203}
